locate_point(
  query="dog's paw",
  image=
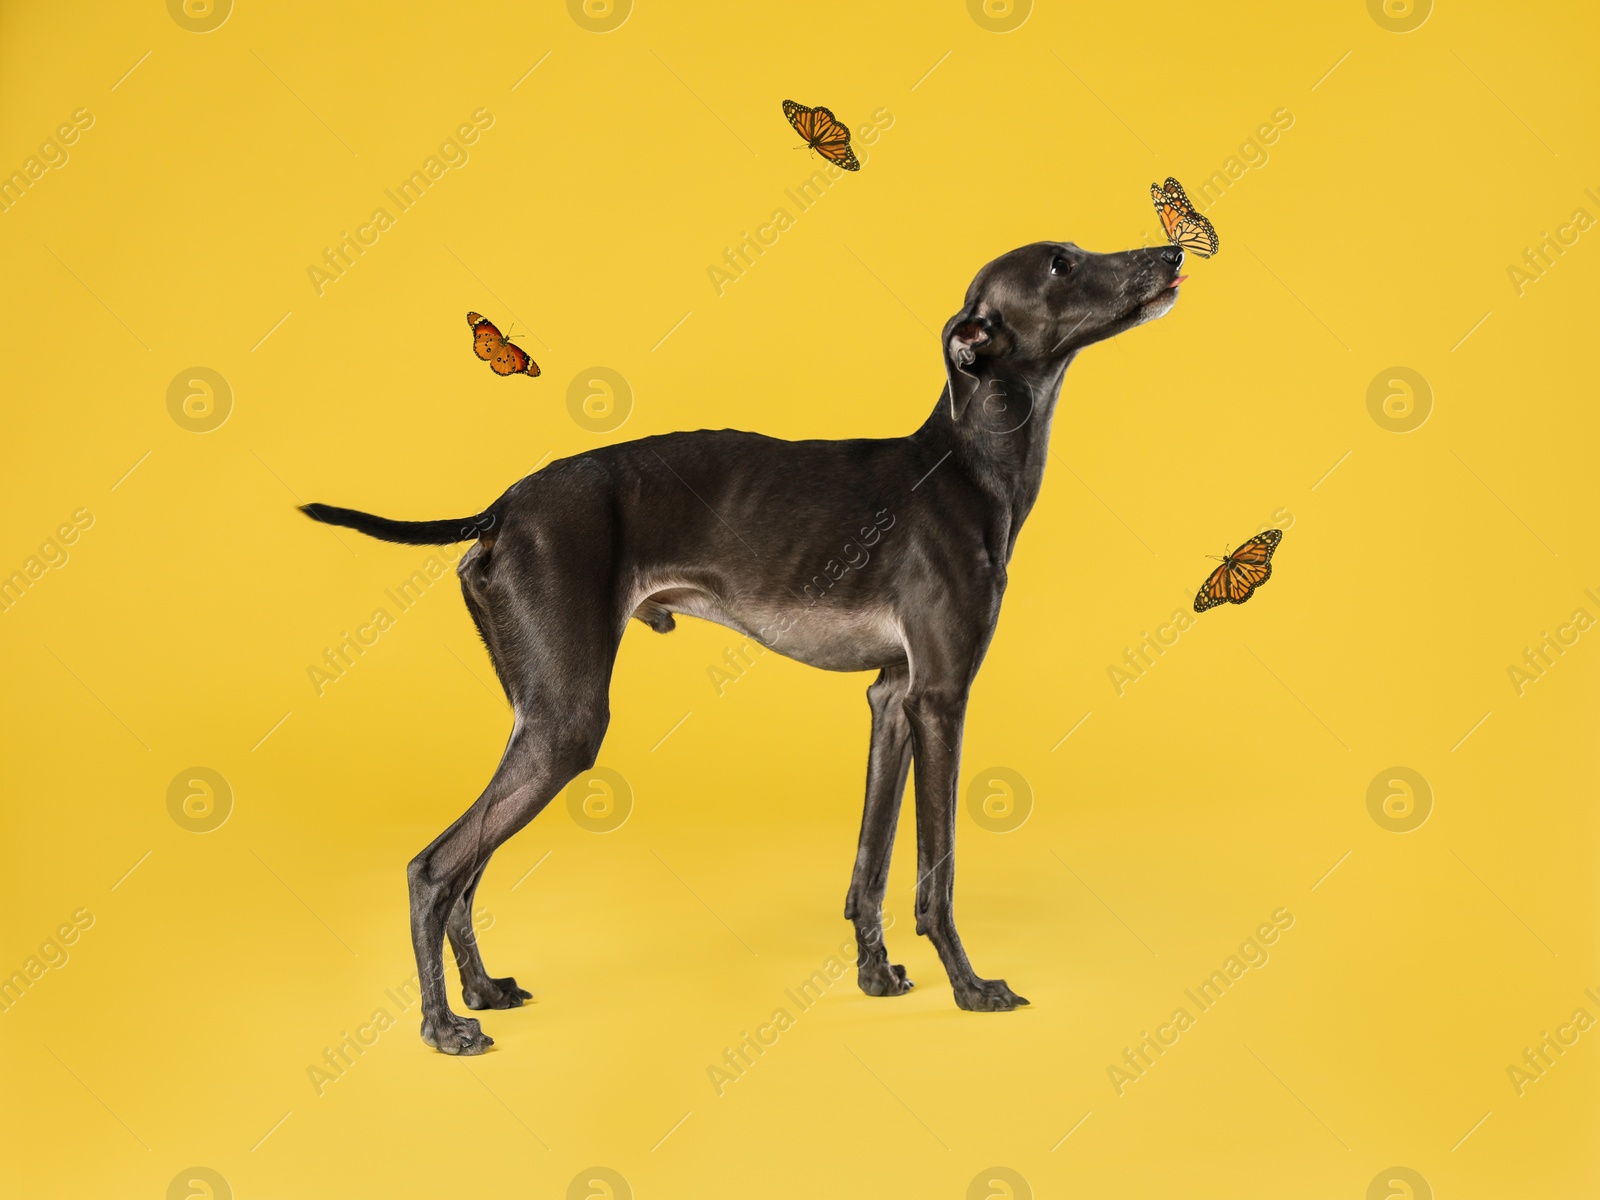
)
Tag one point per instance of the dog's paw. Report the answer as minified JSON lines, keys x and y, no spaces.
{"x":455,"y":1035}
{"x":987,"y":995}
{"x":495,"y":993}
{"x":883,"y":978}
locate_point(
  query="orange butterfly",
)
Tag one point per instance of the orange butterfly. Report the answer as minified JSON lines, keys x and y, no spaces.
{"x":824,"y":133}
{"x":1184,"y":226}
{"x":501,"y":355}
{"x":1241,"y":573}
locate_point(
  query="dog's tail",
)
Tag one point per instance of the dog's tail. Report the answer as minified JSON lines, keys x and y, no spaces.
{"x":408,"y":533}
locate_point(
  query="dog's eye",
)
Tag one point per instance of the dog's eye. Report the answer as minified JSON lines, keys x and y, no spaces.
{"x":1060,"y":265}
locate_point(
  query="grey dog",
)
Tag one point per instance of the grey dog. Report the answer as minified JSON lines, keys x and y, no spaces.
{"x":770,"y":538}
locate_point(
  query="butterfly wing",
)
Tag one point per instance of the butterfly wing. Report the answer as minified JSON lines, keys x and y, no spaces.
{"x":841,"y":156}
{"x":1196,"y":234}
{"x":1245,"y":578}
{"x":1174,"y":189}
{"x":831,"y":139}
{"x":1213,"y":591}
{"x":513,"y":360}
{"x":1259,"y":548}
{"x":486,"y":339}
{"x":1169,"y":212}
{"x":802,"y":118}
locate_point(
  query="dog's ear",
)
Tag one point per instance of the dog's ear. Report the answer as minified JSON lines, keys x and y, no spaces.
{"x":963,"y":334}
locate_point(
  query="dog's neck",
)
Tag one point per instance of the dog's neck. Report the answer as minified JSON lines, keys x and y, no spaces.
{"x":1002,"y":441}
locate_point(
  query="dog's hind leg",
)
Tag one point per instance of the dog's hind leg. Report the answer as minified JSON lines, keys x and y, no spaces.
{"x":557,"y":674}
{"x":888,"y":763}
{"x":546,"y":751}
{"x":478,"y":989}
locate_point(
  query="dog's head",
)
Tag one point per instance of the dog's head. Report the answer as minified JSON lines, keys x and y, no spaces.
{"x":1043,"y":303}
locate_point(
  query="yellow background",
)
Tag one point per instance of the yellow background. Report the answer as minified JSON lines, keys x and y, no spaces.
{"x":1225,"y":783}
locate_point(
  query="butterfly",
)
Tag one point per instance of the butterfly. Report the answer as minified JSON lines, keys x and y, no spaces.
{"x":501,"y":355}
{"x":1184,"y":226}
{"x":1241,"y":573}
{"x":824,"y":133}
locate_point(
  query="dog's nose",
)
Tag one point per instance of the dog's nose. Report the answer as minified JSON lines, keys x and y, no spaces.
{"x":1172,"y":256}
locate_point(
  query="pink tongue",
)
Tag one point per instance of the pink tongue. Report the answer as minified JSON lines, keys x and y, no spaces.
{"x":1177,"y":281}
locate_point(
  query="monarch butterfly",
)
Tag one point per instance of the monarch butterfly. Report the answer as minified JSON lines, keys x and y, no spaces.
{"x":824,"y":133}
{"x":503,"y":358}
{"x":1241,"y":573}
{"x":1184,"y":226}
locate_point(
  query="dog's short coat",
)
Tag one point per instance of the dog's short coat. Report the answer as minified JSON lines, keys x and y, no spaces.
{"x":758,"y":534}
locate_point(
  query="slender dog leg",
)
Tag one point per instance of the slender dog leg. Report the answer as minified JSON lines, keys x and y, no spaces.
{"x":542,"y":758}
{"x":937,"y":718}
{"x":478,"y":990}
{"x":888,"y":763}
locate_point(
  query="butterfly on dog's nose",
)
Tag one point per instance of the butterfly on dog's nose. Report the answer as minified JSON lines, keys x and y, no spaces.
{"x":1184,"y":226}
{"x":503,"y":358}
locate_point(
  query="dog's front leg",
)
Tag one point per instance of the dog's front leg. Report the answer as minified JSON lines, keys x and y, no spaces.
{"x":937,"y":716}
